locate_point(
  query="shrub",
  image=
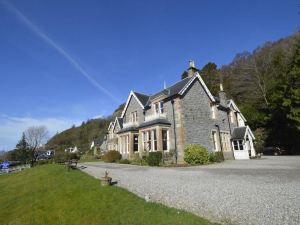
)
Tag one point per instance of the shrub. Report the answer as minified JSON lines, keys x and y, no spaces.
{"x":196,"y":154}
{"x":124,"y":161}
{"x":43,"y":162}
{"x":70,"y":156}
{"x":216,"y":157}
{"x":154,"y":158}
{"x":111,"y":156}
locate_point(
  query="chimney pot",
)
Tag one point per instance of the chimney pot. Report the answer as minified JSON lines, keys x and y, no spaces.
{"x":192,"y":63}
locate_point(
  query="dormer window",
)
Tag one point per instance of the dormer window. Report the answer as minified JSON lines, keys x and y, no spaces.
{"x":159,"y":107}
{"x":213,"y":112}
{"x":134,"y":116}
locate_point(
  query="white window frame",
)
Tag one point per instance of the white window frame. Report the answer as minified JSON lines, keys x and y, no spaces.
{"x":215,"y":140}
{"x":213,"y":112}
{"x":168,"y":139}
{"x":158,"y":107}
{"x":238,"y":144}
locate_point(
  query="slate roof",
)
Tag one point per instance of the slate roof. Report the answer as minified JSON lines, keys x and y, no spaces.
{"x":153,"y":122}
{"x":127,"y":129}
{"x":239,"y":132}
{"x":168,"y":92}
{"x":142,"y":97}
{"x":172,"y":90}
{"x":120,"y":120}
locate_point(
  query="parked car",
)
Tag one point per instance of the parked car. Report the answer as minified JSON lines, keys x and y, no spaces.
{"x":274,"y":151}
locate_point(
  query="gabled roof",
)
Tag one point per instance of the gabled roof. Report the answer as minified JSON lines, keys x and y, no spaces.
{"x":142,"y":99}
{"x":119,"y":122}
{"x":111,"y":125}
{"x":193,"y":78}
{"x":231,"y":103}
{"x":241,"y":132}
{"x":178,"y":88}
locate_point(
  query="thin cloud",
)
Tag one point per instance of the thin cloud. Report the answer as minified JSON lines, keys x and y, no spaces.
{"x":58,"y":48}
{"x":12,"y":127}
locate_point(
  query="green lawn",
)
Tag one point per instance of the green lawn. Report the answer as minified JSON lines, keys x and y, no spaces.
{"x":51,"y":195}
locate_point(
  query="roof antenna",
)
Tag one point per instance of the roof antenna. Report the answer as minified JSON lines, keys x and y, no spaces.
{"x":165,"y":85}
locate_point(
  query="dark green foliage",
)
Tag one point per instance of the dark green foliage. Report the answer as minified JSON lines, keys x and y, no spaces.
{"x":124,"y":161}
{"x":216,"y":157}
{"x":43,"y":162}
{"x":285,"y":106}
{"x":265,"y":86}
{"x":70,"y":156}
{"x":196,"y":154}
{"x":112,"y":156}
{"x":154,"y":158}
{"x":21,"y":153}
{"x":210,"y":75}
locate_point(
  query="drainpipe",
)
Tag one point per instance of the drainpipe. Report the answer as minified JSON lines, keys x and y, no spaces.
{"x":174,"y":127}
{"x":218,"y":127}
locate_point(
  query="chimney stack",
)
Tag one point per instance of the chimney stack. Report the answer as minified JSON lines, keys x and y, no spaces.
{"x":192,"y":69}
{"x":222,"y":96}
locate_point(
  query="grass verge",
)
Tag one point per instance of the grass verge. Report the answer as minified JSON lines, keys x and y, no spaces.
{"x":49,"y":194}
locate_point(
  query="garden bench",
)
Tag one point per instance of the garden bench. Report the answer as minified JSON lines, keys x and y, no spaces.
{"x":71,"y":164}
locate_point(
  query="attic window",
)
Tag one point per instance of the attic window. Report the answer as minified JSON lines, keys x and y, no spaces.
{"x":159,"y":107}
{"x":134,"y":116}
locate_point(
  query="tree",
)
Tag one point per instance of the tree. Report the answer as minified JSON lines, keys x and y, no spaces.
{"x":22,"y":150}
{"x":284,"y":124}
{"x":35,"y":136}
{"x":211,"y":77}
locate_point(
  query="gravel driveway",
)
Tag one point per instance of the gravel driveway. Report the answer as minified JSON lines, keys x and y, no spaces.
{"x":265,"y":191}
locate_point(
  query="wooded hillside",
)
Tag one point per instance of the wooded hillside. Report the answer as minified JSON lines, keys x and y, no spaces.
{"x":266,"y":86}
{"x":83,"y":135}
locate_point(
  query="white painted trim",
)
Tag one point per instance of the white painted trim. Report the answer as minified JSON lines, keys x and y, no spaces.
{"x":111,"y":124}
{"x":128,"y":100}
{"x":231,"y":102}
{"x":202,"y":83}
{"x":250,"y":132}
{"x":115,"y":123}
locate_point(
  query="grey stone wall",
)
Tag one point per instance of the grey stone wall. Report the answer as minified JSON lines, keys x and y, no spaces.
{"x":198,"y":120}
{"x":134,"y":106}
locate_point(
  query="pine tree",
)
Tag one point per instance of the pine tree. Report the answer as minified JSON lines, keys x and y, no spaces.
{"x":284,"y":124}
{"x":22,"y":150}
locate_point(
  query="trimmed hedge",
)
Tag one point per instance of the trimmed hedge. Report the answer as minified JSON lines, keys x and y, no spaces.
{"x":196,"y":154}
{"x":124,"y":161}
{"x":154,"y":158}
{"x":112,"y":156}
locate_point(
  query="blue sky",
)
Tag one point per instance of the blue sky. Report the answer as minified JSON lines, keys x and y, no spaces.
{"x":65,"y":61}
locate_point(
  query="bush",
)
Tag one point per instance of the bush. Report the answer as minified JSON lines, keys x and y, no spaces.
{"x":43,"y":162}
{"x":196,"y":154}
{"x":124,"y":161}
{"x":154,"y":158}
{"x":216,"y":157}
{"x":111,"y":156}
{"x":70,"y":156}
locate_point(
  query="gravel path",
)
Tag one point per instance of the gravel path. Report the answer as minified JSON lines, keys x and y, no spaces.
{"x":257,"y":192}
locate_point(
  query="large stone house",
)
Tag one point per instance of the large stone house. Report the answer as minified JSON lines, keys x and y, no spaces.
{"x":182,"y":114}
